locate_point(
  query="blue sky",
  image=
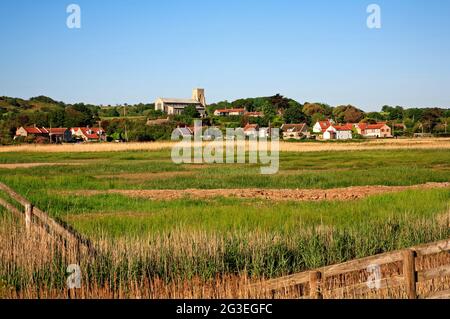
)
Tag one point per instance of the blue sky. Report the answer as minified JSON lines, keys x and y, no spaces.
{"x":130,"y":51}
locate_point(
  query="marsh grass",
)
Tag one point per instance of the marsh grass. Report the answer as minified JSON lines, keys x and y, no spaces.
{"x":212,"y":248}
{"x":181,"y":264}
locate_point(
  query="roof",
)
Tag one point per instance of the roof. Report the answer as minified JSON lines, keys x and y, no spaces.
{"x":34,"y":130}
{"x":91,"y":133}
{"x":195,"y":129}
{"x":324,"y":124}
{"x":346,"y":127}
{"x":250,"y":127}
{"x":293,"y":127}
{"x":43,"y":130}
{"x":179,"y":101}
{"x":230,"y":110}
{"x":57,"y":130}
{"x":184,"y":131}
{"x":365,"y":126}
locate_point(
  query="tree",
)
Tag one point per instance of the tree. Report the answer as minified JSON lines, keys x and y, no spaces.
{"x":279,"y":102}
{"x":394,"y":113}
{"x":269,"y":111}
{"x":348,"y":114}
{"x":74,"y":118}
{"x":294,"y":115}
{"x":376,"y":116}
{"x":190,"y":111}
{"x":310,"y":109}
{"x":430,"y":118}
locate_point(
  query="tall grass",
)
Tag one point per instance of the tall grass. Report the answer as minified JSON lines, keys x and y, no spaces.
{"x":207,"y":249}
{"x":194,"y":264}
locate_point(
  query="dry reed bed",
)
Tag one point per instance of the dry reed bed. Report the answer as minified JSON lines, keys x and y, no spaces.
{"x":35,"y":263}
{"x":428,"y":143}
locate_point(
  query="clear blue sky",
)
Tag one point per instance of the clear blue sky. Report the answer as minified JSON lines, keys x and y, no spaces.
{"x":130,"y":51}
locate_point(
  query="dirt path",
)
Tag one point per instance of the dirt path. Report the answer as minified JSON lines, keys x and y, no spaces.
{"x":31,"y":165}
{"x":350,"y":193}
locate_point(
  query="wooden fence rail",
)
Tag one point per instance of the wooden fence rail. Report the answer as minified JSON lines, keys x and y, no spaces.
{"x":33,"y":215}
{"x":316,"y":278}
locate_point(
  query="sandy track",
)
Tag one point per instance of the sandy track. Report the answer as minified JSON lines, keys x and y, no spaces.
{"x":31,"y":165}
{"x":430,"y":143}
{"x":350,"y":193}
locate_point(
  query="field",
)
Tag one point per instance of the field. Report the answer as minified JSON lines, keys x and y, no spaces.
{"x":168,"y":230}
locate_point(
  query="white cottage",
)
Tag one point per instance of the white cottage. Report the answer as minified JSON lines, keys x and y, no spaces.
{"x":338,"y":132}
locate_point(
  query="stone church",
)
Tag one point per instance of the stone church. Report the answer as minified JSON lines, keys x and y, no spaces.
{"x":173,"y":106}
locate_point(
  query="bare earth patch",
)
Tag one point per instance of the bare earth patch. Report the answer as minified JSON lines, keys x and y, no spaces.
{"x":350,"y":193}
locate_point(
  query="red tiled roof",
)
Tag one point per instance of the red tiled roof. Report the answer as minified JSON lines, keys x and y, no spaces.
{"x":346,"y":127}
{"x":33,"y":130}
{"x":230,"y":110}
{"x":249,"y":127}
{"x":324,"y":124}
{"x":94,"y":135}
{"x":57,"y":130}
{"x":365,"y":126}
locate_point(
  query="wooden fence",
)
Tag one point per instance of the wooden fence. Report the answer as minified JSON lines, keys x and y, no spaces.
{"x":409,"y":278}
{"x":34,"y":216}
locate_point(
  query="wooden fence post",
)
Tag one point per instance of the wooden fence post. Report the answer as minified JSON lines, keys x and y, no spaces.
{"x":409,"y":273}
{"x":28,"y":216}
{"x":315,"y":281}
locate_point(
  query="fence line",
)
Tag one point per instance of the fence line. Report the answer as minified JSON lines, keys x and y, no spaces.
{"x":315,"y":279}
{"x":33,"y":215}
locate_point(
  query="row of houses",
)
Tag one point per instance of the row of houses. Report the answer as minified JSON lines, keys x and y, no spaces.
{"x":325,"y":130}
{"x":328,"y":130}
{"x":60,"y":135}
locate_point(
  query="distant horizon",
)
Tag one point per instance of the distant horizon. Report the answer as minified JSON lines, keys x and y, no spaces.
{"x":317,"y":51}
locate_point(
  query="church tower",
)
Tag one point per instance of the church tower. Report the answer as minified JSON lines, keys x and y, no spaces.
{"x":199,"y":95}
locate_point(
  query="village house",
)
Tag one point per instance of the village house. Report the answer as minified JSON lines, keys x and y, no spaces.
{"x":59,"y":135}
{"x":251,"y":130}
{"x":378,"y":130}
{"x":294,"y":131}
{"x":264,"y":132}
{"x":321,"y":126}
{"x":174,"y":106}
{"x":183,"y":132}
{"x":88,"y":134}
{"x":53,"y":135}
{"x":338,"y":132}
{"x":229,"y":112}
